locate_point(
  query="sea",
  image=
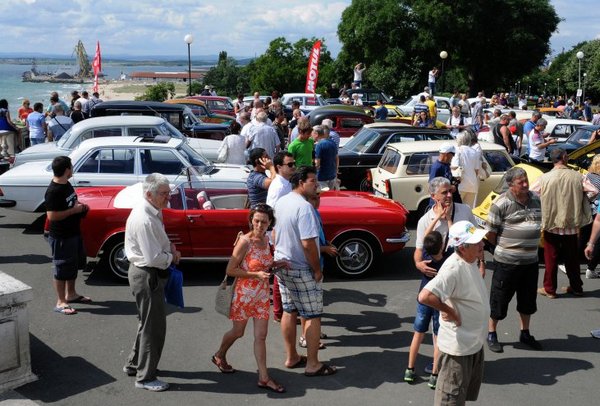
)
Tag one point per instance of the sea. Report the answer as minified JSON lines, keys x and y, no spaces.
{"x":14,"y":90}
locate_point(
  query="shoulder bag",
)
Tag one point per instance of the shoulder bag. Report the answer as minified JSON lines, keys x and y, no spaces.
{"x":224,"y":297}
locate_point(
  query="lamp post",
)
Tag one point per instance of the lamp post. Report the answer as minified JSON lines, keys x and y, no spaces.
{"x":545,"y":84}
{"x":557,"y":87}
{"x":443,"y":56}
{"x":518,"y":86}
{"x":580,"y":56}
{"x":584,"y":79}
{"x":189,"y":38}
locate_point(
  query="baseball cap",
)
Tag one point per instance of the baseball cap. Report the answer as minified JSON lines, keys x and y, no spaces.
{"x":447,"y":148}
{"x":464,"y":232}
{"x":206,"y":87}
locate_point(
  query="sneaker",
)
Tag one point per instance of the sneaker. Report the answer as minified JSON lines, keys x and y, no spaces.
{"x":432,"y":381}
{"x":409,"y":375}
{"x":570,"y":290}
{"x":130,"y":371}
{"x":543,"y":292}
{"x":595,"y":333}
{"x":153,"y":386}
{"x":589,"y":274}
{"x":530,"y":341}
{"x":562,"y":268}
{"x":494,"y":345}
{"x":429,"y":368}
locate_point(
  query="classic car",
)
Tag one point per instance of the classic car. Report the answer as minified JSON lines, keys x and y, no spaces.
{"x":347,"y":120}
{"x":442,"y":103}
{"x":403,"y":172}
{"x":364,"y":150}
{"x":579,"y":138}
{"x":369,"y":97}
{"x":96,"y":127}
{"x":397,"y":116}
{"x":217,"y":104}
{"x":208,"y":234}
{"x":202,"y":110}
{"x":559,"y":128}
{"x":116,"y":161}
{"x":308,"y":101}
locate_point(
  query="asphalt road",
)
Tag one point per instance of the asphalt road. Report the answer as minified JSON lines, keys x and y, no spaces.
{"x":78,"y":359}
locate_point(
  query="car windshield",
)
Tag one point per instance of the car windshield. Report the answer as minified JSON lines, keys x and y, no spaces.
{"x":189,"y":115}
{"x":362,"y":140}
{"x":168,"y":129}
{"x":580,"y":136}
{"x":63,"y":140}
{"x":192,"y":156}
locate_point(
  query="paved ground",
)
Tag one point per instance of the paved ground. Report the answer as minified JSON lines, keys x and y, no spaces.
{"x":78,"y":359}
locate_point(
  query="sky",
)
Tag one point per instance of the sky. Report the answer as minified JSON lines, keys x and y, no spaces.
{"x":241,"y":28}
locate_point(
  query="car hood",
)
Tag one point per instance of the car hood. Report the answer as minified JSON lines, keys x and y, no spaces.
{"x":209,"y":126}
{"x":30,"y":173}
{"x":40,"y":148}
{"x":356,"y":201}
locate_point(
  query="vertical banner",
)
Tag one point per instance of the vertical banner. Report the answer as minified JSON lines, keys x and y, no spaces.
{"x":97,"y":66}
{"x":312,"y":73}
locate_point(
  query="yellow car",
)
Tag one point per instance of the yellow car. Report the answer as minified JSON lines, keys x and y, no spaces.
{"x":396,"y":115}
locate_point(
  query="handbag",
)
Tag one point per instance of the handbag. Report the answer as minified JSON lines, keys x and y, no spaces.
{"x":224,"y":297}
{"x":484,"y":172}
{"x":174,"y":287}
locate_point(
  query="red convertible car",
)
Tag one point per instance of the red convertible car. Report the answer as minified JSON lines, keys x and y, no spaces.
{"x":203,"y":224}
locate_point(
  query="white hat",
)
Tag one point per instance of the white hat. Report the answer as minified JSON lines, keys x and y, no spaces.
{"x":206,"y":87}
{"x":447,"y":148}
{"x":463,"y":232}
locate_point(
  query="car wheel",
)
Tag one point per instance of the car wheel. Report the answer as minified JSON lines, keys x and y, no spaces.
{"x":365,"y":186}
{"x":357,"y":254}
{"x":115,"y":260}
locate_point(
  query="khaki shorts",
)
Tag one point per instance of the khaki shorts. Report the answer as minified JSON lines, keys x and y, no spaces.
{"x":459,"y":378}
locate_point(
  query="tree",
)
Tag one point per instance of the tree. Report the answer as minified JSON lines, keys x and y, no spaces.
{"x":159,"y":92}
{"x":227,"y":77}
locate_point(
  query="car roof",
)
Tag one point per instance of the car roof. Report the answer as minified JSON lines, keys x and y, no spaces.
{"x":136,"y":105}
{"x":434,"y":145}
{"x":389,"y":124}
{"x":212,"y":97}
{"x":127,"y":141}
{"x":111,"y":121}
{"x":286,"y":95}
{"x":196,"y":102}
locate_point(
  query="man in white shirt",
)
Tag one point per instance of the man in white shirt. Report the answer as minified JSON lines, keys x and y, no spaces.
{"x":59,"y":124}
{"x":285,"y":166}
{"x":262,"y":135}
{"x":84,"y":100}
{"x":431,"y":76}
{"x":459,"y":293}
{"x":150,"y":253}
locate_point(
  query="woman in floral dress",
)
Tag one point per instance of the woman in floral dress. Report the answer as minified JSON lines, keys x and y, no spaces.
{"x":250,"y":264}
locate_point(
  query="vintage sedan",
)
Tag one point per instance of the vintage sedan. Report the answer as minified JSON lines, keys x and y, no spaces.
{"x":217,"y":104}
{"x":369,"y":97}
{"x":403,"y":172}
{"x":202,"y":111}
{"x":363,"y":151}
{"x":362,"y":227}
{"x":442,"y":104}
{"x":347,"y":120}
{"x":579,"y":138}
{"x":116,"y":161}
{"x":308,"y":101}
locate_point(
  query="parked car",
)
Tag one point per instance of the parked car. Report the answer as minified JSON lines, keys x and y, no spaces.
{"x":369,"y":97}
{"x":364,"y":150}
{"x":559,"y":128}
{"x":347,"y":120}
{"x":202,"y":111}
{"x":208,"y":234}
{"x":397,"y":116}
{"x":579,"y":138}
{"x":217,"y":104}
{"x":403,"y":172}
{"x":112,"y":161}
{"x":308,"y":101}
{"x":442,"y":103}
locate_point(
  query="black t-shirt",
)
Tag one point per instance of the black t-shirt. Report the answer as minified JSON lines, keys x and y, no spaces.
{"x":60,"y":197}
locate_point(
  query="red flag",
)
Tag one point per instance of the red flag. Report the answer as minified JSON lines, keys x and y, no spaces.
{"x":312,"y":74}
{"x":97,"y":66}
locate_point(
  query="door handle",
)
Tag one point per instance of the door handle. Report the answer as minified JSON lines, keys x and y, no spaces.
{"x":83,"y":182}
{"x":193,"y":217}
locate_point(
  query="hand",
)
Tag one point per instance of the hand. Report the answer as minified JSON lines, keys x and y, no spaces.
{"x":330,"y":250}
{"x":318,"y":275}
{"x":266,"y":162}
{"x":423,"y":267}
{"x":451,"y":316}
{"x":262,"y":275}
{"x":588,"y":251}
{"x":176,"y":256}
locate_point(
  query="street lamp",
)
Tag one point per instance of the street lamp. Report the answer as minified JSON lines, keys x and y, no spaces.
{"x":518,"y":86}
{"x":545,"y":84}
{"x":580,"y":57}
{"x":189,"y":38}
{"x":443,"y":55}
{"x":557,"y":87}
{"x":584,"y":79}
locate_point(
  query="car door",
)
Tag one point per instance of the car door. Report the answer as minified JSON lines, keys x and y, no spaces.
{"x":161,"y":160}
{"x":109,"y":166}
{"x":443,"y":110}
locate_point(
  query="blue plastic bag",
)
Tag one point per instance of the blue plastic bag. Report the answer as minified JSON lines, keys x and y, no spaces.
{"x":174,"y":287}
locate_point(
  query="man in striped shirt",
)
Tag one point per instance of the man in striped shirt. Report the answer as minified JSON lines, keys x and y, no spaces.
{"x":514,"y":226}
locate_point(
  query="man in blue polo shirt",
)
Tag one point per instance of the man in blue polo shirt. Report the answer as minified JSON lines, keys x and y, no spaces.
{"x":326,"y":158}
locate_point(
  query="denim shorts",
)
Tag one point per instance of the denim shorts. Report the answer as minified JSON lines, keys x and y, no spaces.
{"x":425,"y":315}
{"x":68,"y":256}
{"x":300,"y":292}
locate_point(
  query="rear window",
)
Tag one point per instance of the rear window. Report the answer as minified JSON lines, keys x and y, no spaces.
{"x":420,"y":163}
{"x":362,"y":140}
{"x":390,"y":160}
{"x":497,"y":160}
{"x":351,"y":123}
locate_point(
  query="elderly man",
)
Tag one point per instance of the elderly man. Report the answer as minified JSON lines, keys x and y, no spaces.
{"x":565,"y":210}
{"x":327,"y":160}
{"x":263,"y":135}
{"x":539,"y":140}
{"x":460,"y":295}
{"x":59,"y":124}
{"x":333,"y":135}
{"x":150,"y":253}
{"x":441,"y":193}
{"x":514,"y":226}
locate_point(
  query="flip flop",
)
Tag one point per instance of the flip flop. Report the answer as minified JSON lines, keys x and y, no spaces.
{"x":223,"y":366}
{"x":66,"y":310}
{"x":300,"y":363}
{"x":80,"y":299}
{"x":278,"y":388}
{"x":302,"y":343}
{"x":325,"y":370}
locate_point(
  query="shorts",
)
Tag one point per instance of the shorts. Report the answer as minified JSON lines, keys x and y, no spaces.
{"x":425,"y":315}
{"x":510,"y":279}
{"x":459,"y":378}
{"x":68,"y":256}
{"x":300,"y":292}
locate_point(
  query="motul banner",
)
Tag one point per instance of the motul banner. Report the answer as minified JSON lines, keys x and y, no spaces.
{"x":97,"y":66}
{"x":312,"y":73}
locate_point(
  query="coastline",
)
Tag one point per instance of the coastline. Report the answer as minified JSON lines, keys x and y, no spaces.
{"x":130,"y":89}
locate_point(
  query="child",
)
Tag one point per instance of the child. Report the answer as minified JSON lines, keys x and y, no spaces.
{"x":433,"y":247}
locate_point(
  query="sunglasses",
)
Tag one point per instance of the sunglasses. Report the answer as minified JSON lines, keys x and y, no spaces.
{"x":290,"y":164}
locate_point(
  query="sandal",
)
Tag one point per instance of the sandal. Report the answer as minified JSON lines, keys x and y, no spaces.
{"x":223,"y":366}
{"x":302,"y":343}
{"x":301,"y":363}
{"x":275,"y":387}
{"x":325,"y":370}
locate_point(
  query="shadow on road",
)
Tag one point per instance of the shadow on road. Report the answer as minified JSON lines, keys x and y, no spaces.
{"x":527,"y":370}
{"x":26,"y":259}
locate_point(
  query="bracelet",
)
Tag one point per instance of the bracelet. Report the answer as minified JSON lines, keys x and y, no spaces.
{"x":590,"y":244}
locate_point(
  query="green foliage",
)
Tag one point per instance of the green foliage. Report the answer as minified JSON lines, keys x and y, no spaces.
{"x":227,"y":77}
{"x":159,"y":92}
{"x":196,"y":87}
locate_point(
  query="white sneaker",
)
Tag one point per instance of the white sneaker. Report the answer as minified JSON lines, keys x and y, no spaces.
{"x":589,"y":274}
{"x":153,"y":386}
{"x":562,"y":268}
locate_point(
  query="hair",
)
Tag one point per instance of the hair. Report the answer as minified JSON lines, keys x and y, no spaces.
{"x":556,"y":155}
{"x":254,"y":155}
{"x":436,"y":183}
{"x":320,"y":130}
{"x":39,"y":107}
{"x":432,"y":243}
{"x":96,"y":94}
{"x":463,"y":138}
{"x":280,"y":157}
{"x":514,"y":173}
{"x":240,"y":95}
{"x":58,"y":108}
{"x":54,"y":97}
{"x":153,"y":182}
{"x":258,"y":104}
{"x":504,"y":117}
{"x":25,"y":101}
{"x":473,"y":134}
{"x":595,"y":165}
{"x":261,"y":117}
{"x":84,"y":93}
{"x":60,"y":164}
{"x":77,"y":105}
{"x":235,"y":127}
{"x":536,"y":114}
{"x":245,"y":116}
{"x":262,"y":208}
{"x":512,"y":114}
{"x":301,"y":174}
{"x":304,"y":125}
{"x":327,"y":123}
{"x":295,"y":104}
{"x":3,"y":104}
{"x":275,"y":94}
{"x":422,"y":98}
{"x":542,"y":122}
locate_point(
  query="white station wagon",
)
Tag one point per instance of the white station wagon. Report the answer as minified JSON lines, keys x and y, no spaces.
{"x":403,"y":172}
{"x":118,"y":161}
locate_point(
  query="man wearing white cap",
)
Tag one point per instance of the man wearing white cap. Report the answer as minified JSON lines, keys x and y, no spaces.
{"x":459,"y":293}
{"x":442,"y":168}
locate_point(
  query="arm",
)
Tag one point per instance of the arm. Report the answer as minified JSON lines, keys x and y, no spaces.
{"x":589,"y":247}
{"x":311,"y":253}
{"x":506,"y":138}
{"x":268,"y":164}
{"x":78,"y":208}
{"x":446,"y":312}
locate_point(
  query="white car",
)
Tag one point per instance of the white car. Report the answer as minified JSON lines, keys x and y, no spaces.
{"x":559,"y":128}
{"x":116,"y":161}
{"x":308,"y":101}
{"x":403,"y":172}
{"x":442,"y":104}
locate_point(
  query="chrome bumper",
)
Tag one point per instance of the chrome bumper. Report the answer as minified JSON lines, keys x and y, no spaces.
{"x":403,"y":239}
